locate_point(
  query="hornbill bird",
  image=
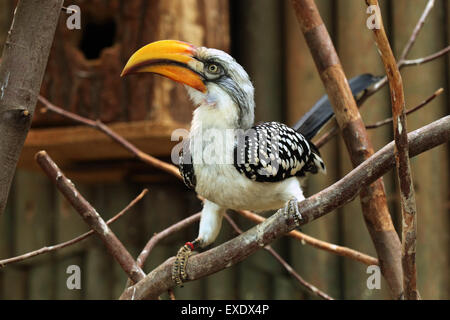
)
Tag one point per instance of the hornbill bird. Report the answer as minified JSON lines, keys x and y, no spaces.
{"x":252,"y":167}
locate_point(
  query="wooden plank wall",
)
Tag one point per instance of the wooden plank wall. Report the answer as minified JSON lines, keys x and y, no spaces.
{"x":266,"y":39}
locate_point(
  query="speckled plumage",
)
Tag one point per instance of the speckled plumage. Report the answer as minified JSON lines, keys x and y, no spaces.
{"x":267,"y":152}
{"x":272,"y":152}
{"x":185,"y":166}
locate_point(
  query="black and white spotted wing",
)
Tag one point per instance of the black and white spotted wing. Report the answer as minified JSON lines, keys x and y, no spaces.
{"x":272,"y":152}
{"x":186,"y":167}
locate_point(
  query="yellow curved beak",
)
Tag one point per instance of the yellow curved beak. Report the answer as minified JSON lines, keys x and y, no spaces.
{"x":169,"y":58}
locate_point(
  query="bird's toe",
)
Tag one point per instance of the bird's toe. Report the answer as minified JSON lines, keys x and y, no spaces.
{"x":291,"y":208}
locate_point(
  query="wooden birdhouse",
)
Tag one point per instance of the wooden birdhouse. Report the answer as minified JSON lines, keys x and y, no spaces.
{"x":83,"y":77}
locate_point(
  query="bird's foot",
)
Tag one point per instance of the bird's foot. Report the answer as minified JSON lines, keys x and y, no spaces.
{"x":291,"y":208}
{"x":179,"y":266}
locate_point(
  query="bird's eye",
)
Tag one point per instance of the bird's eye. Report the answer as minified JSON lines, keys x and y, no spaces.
{"x":213,"y":68}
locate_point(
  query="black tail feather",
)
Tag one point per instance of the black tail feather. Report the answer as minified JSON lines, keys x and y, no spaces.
{"x":322,"y":112}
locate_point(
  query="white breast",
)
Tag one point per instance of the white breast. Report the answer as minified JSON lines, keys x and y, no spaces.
{"x":221,"y":183}
{"x":225,"y":186}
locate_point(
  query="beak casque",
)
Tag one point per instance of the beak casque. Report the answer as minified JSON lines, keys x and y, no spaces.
{"x":169,"y":58}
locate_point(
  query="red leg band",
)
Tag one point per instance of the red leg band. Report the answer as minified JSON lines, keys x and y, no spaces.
{"x":190,"y":244}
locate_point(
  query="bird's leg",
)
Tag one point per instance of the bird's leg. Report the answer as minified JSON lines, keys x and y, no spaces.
{"x":179,"y":265}
{"x":210,"y":223}
{"x":291,"y":208}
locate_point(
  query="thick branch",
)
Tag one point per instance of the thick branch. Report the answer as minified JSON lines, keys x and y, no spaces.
{"x":90,"y":216}
{"x":407,"y":194}
{"x":65,"y":244}
{"x":283,"y":262}
{"x":329,"y":199}
{"x":24,"y":60}
{"x":330,"y":247}
{"x":373,"y":198}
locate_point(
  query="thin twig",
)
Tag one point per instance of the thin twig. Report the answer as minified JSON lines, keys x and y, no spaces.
{"x":340,"y":193}
{"x":68,"y":10}
{"x":90,"y":216}
{"x":141,"y":155}
{"x":72,"y":241}
{"x":419,"y":61}
{"x":157,"y":237}
{"x":417,"y":29}
{"x":331,"y":133}
{"x":283,"y":262}
{"x":292,"y":272}
{"x":330,"y":247}
{"x":327,"y":136}
{"x":408,"y":201}
{"x":409,"y":111}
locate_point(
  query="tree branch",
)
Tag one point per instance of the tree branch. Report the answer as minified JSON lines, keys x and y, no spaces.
{"x":419,"y":61}
{"x":283,"y":262}
{"x":80,"y":238}
{"x":373,"y":198}
{"x":327,"y":200}
{"x":24,"y":60}
{"x":334,"y":131}
{"x":141,"y":155}
{"x":90,"y":216}
{"x":327,"y":136}
{"x":157,"y":237}
{"x":416,"y":30}
{"x":330,"y":247}
{"x":409,"y":111}
{"x":408,"y":200}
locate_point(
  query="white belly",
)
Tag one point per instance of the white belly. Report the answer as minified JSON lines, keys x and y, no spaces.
{"x":220,"y":182}
{"x":225,"y":186}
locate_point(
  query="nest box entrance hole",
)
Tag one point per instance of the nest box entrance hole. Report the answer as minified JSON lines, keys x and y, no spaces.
{"x":96,"y":36}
